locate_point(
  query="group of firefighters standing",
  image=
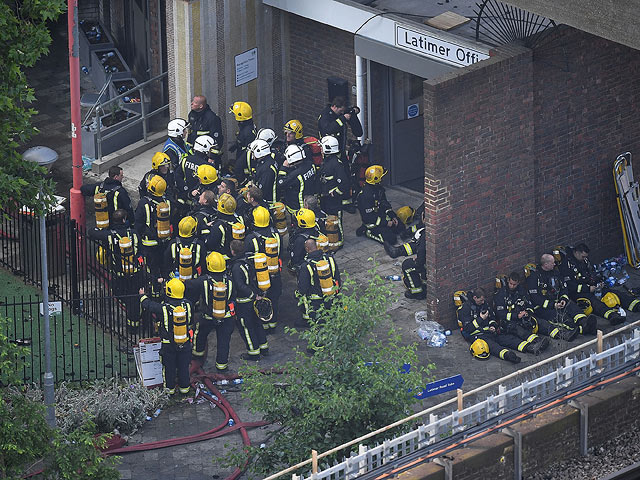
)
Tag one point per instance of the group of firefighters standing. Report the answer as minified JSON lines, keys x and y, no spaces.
{"x":202,"y":249}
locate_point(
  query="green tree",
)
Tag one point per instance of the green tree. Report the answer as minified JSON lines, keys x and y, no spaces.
{"x":352,"y":385}
{"x":28,"y":443}
{"x":24,"y":37}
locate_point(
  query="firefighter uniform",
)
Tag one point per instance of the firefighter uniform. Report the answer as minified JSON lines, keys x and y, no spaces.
{"x":265,"y":177}
{"x":414,"y":270}
{"x":296,"y":245}
{"x":474,"y":327}
{"x":331,"y":123}
{"x":204,"y":122}
{"x":176,"y":344}
{"x":187,"y":180}
{"x":176,"y":148}
{"x":205,"y":215}
{"x":117,"y":195}
{"x":376,"y":212}
{"x":295,"y":182}
{"x":244,"y":136}
{"x":309,"y":291}
{"x":334,"y":184}
{"x":251,"y":331}
{"x":171,"y":264}
{"x":221,"y":232}
{"x":545,"y":289}
{"x":580,"y":276}
{"x":153,"y":237}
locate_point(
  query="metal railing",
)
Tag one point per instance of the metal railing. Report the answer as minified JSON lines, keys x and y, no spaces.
{"x":443,"y":421}
{"x":144,"y":116}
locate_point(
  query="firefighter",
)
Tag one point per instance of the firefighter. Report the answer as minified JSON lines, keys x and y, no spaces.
{"x":117,"y":195}
{"x":477,"y":322}
{"x":123,"y":247}
{"x":315,"y":289}
{"x":266,"y":170}
{"x":307,"y":229}
{"x":174,"y":316}
{"x":153,"y":224}
{"x":160,"y":164}
{"x":186,"y":177}
{"x":334,"y":182}
{"x":379,"y":221}
{"x":247,"y":292}
{"x":310,"y":202}
{"x":516,"y":314}
{"x":179,"y":263}
{"x":254,"y":199}
{"x":583,"y":282}
{"x":205,"y":213}
{"x":550,"y":299}
{"x":215,"y":288}
{"x":264,"y":238}
{"x":203,"y":121}
{"x":293,"y":136}
{"x":221,"y":232}
{"x":335,"y":118}
{"x":244,"y":136}
{"x":207,"y":176}
{"x":175,"y":146}
{"x":295,"y":178}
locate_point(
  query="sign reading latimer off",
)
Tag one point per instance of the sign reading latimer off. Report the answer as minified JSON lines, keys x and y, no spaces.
{"x":435,"y":48}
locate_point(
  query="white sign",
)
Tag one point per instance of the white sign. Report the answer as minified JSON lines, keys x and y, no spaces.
{"x":54,"y":307}
{"x":147,"y":355}
{"x":413,"y":110}
{"x":435,"y":48}
{"x":246,"y":66}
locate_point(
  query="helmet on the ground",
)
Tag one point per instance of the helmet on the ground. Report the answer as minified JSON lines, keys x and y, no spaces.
{"x":294,"y":126}
{"x":405,"y":214}
{"x":479,"y":349}
{"x":294,"y":153}
{"x":226,"y":204}
{"x":187,"y":227}
{"x":260,"y":148}
{"x":159,"y":159}
{"x":207,"y":174}
{"x":330,"y":145}
{"x":263,"y":309}
{"x":176,"y":127}
{"x":204,"y":144}
{"x":306,"y":218}
{"x":175,"y":288}
{"x":216,"y":262}
{"x":242,"y":111}
{"x":611,"y":300}
{"x":261,"y":217}
{"x":585,"y":305}
{"x":157,"y":186}
{"x":374,"y":174}
{"x":267,"y":134}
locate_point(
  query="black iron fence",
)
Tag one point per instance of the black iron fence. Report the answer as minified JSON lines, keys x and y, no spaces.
{"x":90,"y":334}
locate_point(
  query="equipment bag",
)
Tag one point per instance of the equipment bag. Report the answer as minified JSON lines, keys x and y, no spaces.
{"x":316,"y":149}
{"x":219,"y":300}
{"x":163,"y":212}
{"x":325,"y":277}
{"x":185,"y":269}
{"x":102,"y":210}
{"x":180,"y":334}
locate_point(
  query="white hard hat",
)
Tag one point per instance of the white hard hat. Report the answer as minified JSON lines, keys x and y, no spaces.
{"x":260,"y":148}
{"x":267,"y":135}
{"x":176,"y":127}
{"x":204,"y":144}
{"x":294,"y":153}
{"x":330,"y":145}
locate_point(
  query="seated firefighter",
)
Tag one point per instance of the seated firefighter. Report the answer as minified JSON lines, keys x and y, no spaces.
{"x":583,"y":282}
{"x":550,"y":299}
{"x":516,"y":313}
{"x":479,"y":327}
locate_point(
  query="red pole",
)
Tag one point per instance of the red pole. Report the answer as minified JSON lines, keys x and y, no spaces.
{"x":76,"y":201}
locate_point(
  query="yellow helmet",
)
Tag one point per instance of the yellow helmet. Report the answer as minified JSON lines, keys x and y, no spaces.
{"x":175,"y":288}
{"x":157,"y":186}
{"x":306,"y":218}
{"x":479,"y":349}
{"x":216,"y":262}
{"x":374,"y":174}
{"x":159,"y":159}
{"x":101,"y":256}
{"x":405,"y":214}
{"x":226,"y":204}
{"x":585,"y":305}
{"x":261,"y":217}
{"x":207,"y":174}
{"x":294,"y":126}
{"x":611,"y":300}
{"x":242,"y":111}
{"x":187,"y":227}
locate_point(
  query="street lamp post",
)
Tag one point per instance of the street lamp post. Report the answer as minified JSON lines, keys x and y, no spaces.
{"x":45,"y":157}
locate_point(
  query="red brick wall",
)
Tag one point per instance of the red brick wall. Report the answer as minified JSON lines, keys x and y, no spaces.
{"x":316,"y":51}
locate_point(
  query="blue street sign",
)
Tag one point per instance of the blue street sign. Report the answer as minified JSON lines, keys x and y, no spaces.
{"x":441,"y":386}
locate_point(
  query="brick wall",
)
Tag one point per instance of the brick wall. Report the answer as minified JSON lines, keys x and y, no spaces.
{"x":89,"y":9}
{"x":316,"y":51}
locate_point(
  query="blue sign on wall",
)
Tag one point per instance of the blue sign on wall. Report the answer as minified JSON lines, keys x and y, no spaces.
{"x":441,"y":386}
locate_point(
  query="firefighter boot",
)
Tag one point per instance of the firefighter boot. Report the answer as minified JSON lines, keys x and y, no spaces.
{"x":540,"y":344}
{"x":510,"y":356}
{"x":393,"y":252}
{"x":616,"y":319}
{"x":568,"y":335}
{"x":589,"y":325}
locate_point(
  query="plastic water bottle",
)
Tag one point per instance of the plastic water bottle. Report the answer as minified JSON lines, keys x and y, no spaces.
{"x":437,"y":339}
{"x":610,"y":281}
{"x":85,"y":70}
{"x":223,"y":382}
{"x":623,"y":280}
{"x":157,"y":412}
{"x":395,"y":278}
{"x":231,"y":422}
{"x":447,"y":332}
{"x":238,"y":381}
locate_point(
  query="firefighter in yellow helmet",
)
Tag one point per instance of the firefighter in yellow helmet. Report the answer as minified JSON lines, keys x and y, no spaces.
{"x":215,"y":291}
{"x":379,"y":221}
{"x":174,"y":316}
{"x":583,"y":281}
{"x":244,"y":136}
{"x":221,"y":232}
{"x":207,"y":176}
{"x":160,"y":165}
{"x":184,"y":256}
{"x":307,"y":228}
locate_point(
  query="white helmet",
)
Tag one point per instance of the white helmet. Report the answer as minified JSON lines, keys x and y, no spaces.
{"x":267,"y":135}
{"x":260,"y":148}
{"x":330,"y":145}
{"x":204,"y":144}
{"x":176,"y":127}
{"x":294,"y":153}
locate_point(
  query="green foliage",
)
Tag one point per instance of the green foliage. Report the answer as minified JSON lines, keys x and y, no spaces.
{"x":24,"y":37}
{"x":350,"y":386}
